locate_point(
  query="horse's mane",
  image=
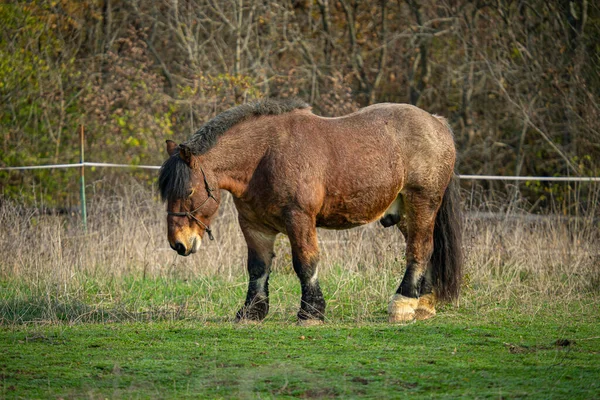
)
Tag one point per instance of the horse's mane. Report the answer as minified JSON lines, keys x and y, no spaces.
{"x":206,"y":137}
{"x":175,"y":175}
{"x":174,"y":178}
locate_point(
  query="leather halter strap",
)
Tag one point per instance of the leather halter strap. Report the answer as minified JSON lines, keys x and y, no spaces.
{"x":190,"y":214}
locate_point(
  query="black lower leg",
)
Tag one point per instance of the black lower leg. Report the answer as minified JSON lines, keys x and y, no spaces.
{"x":312,"y":304}
{"x":426,"y":283}
{"x":256,"y":305}
{"x":411,"y":283}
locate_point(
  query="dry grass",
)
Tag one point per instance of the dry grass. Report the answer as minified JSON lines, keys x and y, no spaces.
{"x":511,"y":257}
{"x":533,"y":258}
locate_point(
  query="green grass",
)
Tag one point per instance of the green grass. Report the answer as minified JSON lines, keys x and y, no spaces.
{"x":116,"y":314}
{"x":166,"y":338}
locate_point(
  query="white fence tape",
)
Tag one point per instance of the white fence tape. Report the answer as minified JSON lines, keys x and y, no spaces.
{"x":531,"y":178}
{"x":41,"y":167}
{"x":85,"y":164}
{"x":463,"y":177}
{"x":97,"y":164}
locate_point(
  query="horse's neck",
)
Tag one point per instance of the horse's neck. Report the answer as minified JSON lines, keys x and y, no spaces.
{"x":236,"y":156}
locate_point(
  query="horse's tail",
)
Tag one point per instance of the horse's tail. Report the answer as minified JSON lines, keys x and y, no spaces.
{"x":447,"y":256}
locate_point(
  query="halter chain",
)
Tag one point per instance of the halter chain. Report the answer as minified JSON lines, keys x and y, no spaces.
{"x":190,"y":214}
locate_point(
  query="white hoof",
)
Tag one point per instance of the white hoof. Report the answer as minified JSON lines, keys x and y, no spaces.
{"x":426,"y":307}
{"x":402,"y":309}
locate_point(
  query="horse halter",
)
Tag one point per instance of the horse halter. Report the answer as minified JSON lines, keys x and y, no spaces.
{"x":190,"y":214}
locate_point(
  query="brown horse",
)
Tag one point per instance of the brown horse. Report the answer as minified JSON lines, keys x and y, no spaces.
{"x":290,"y":171}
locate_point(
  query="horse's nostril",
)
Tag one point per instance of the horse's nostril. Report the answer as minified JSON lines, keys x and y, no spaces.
{"x":179,"y":248}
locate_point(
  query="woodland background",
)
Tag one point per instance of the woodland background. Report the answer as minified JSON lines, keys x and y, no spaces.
{"x":519,"y":81}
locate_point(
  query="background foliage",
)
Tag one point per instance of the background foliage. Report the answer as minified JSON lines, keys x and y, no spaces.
{"x":518,"y":80}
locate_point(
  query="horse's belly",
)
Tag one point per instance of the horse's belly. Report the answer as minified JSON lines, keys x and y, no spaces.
{"x":338,"y":222}
{"x":338,"y":213}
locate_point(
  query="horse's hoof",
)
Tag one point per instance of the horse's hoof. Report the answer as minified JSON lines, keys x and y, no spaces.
{"x":310,"y":322}
{"x":248,"y":318}
{"x":247,"y":321}
{"x":426,"y":307}
{"x":401,"y":309}
{"x":421,"y":314}
{"x":255,"y":311}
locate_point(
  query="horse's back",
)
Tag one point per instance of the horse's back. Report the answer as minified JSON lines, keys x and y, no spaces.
{"x":352,"y":168}
{"x":348,"y":170}
{"x":429,"y":153}
{"x":397,"y":139}
{"x":422,"y":144}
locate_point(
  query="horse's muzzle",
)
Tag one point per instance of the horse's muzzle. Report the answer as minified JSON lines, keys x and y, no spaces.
{"x":182,"y":250}
{"x":179,"y":248}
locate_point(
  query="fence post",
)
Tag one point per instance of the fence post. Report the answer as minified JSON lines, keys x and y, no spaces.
{"x":82,"y":179}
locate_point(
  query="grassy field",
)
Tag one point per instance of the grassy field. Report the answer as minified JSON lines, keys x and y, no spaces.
{"x":459,"y":354}
{"x":115,"y":314}
{"x":474,"y":351}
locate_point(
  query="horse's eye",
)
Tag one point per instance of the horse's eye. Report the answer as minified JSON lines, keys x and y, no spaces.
{"x":191,"y":192}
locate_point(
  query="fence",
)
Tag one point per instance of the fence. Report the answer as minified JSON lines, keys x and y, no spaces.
{"x":82,"y":164}
{"x":462,"y":177}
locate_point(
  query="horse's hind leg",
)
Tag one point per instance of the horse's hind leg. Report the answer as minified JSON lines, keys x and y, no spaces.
{"x":426,"y":307}
{"x":400,"y":218}
{"x":260,"y":243}
{"x":420,"y":211}
{"x":302,"y":231}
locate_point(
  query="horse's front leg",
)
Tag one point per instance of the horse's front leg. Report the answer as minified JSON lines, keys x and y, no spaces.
{"x":260,"y":243}
{"x":302,"y":231}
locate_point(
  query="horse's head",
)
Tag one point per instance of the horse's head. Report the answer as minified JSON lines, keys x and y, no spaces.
{"x":192,"y":198}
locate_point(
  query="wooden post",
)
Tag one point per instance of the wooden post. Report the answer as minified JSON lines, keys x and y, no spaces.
{"x":82,"y":179}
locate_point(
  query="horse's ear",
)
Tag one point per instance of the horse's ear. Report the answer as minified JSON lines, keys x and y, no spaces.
{"x":171,"y":147}
{"x":185,"y":153}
